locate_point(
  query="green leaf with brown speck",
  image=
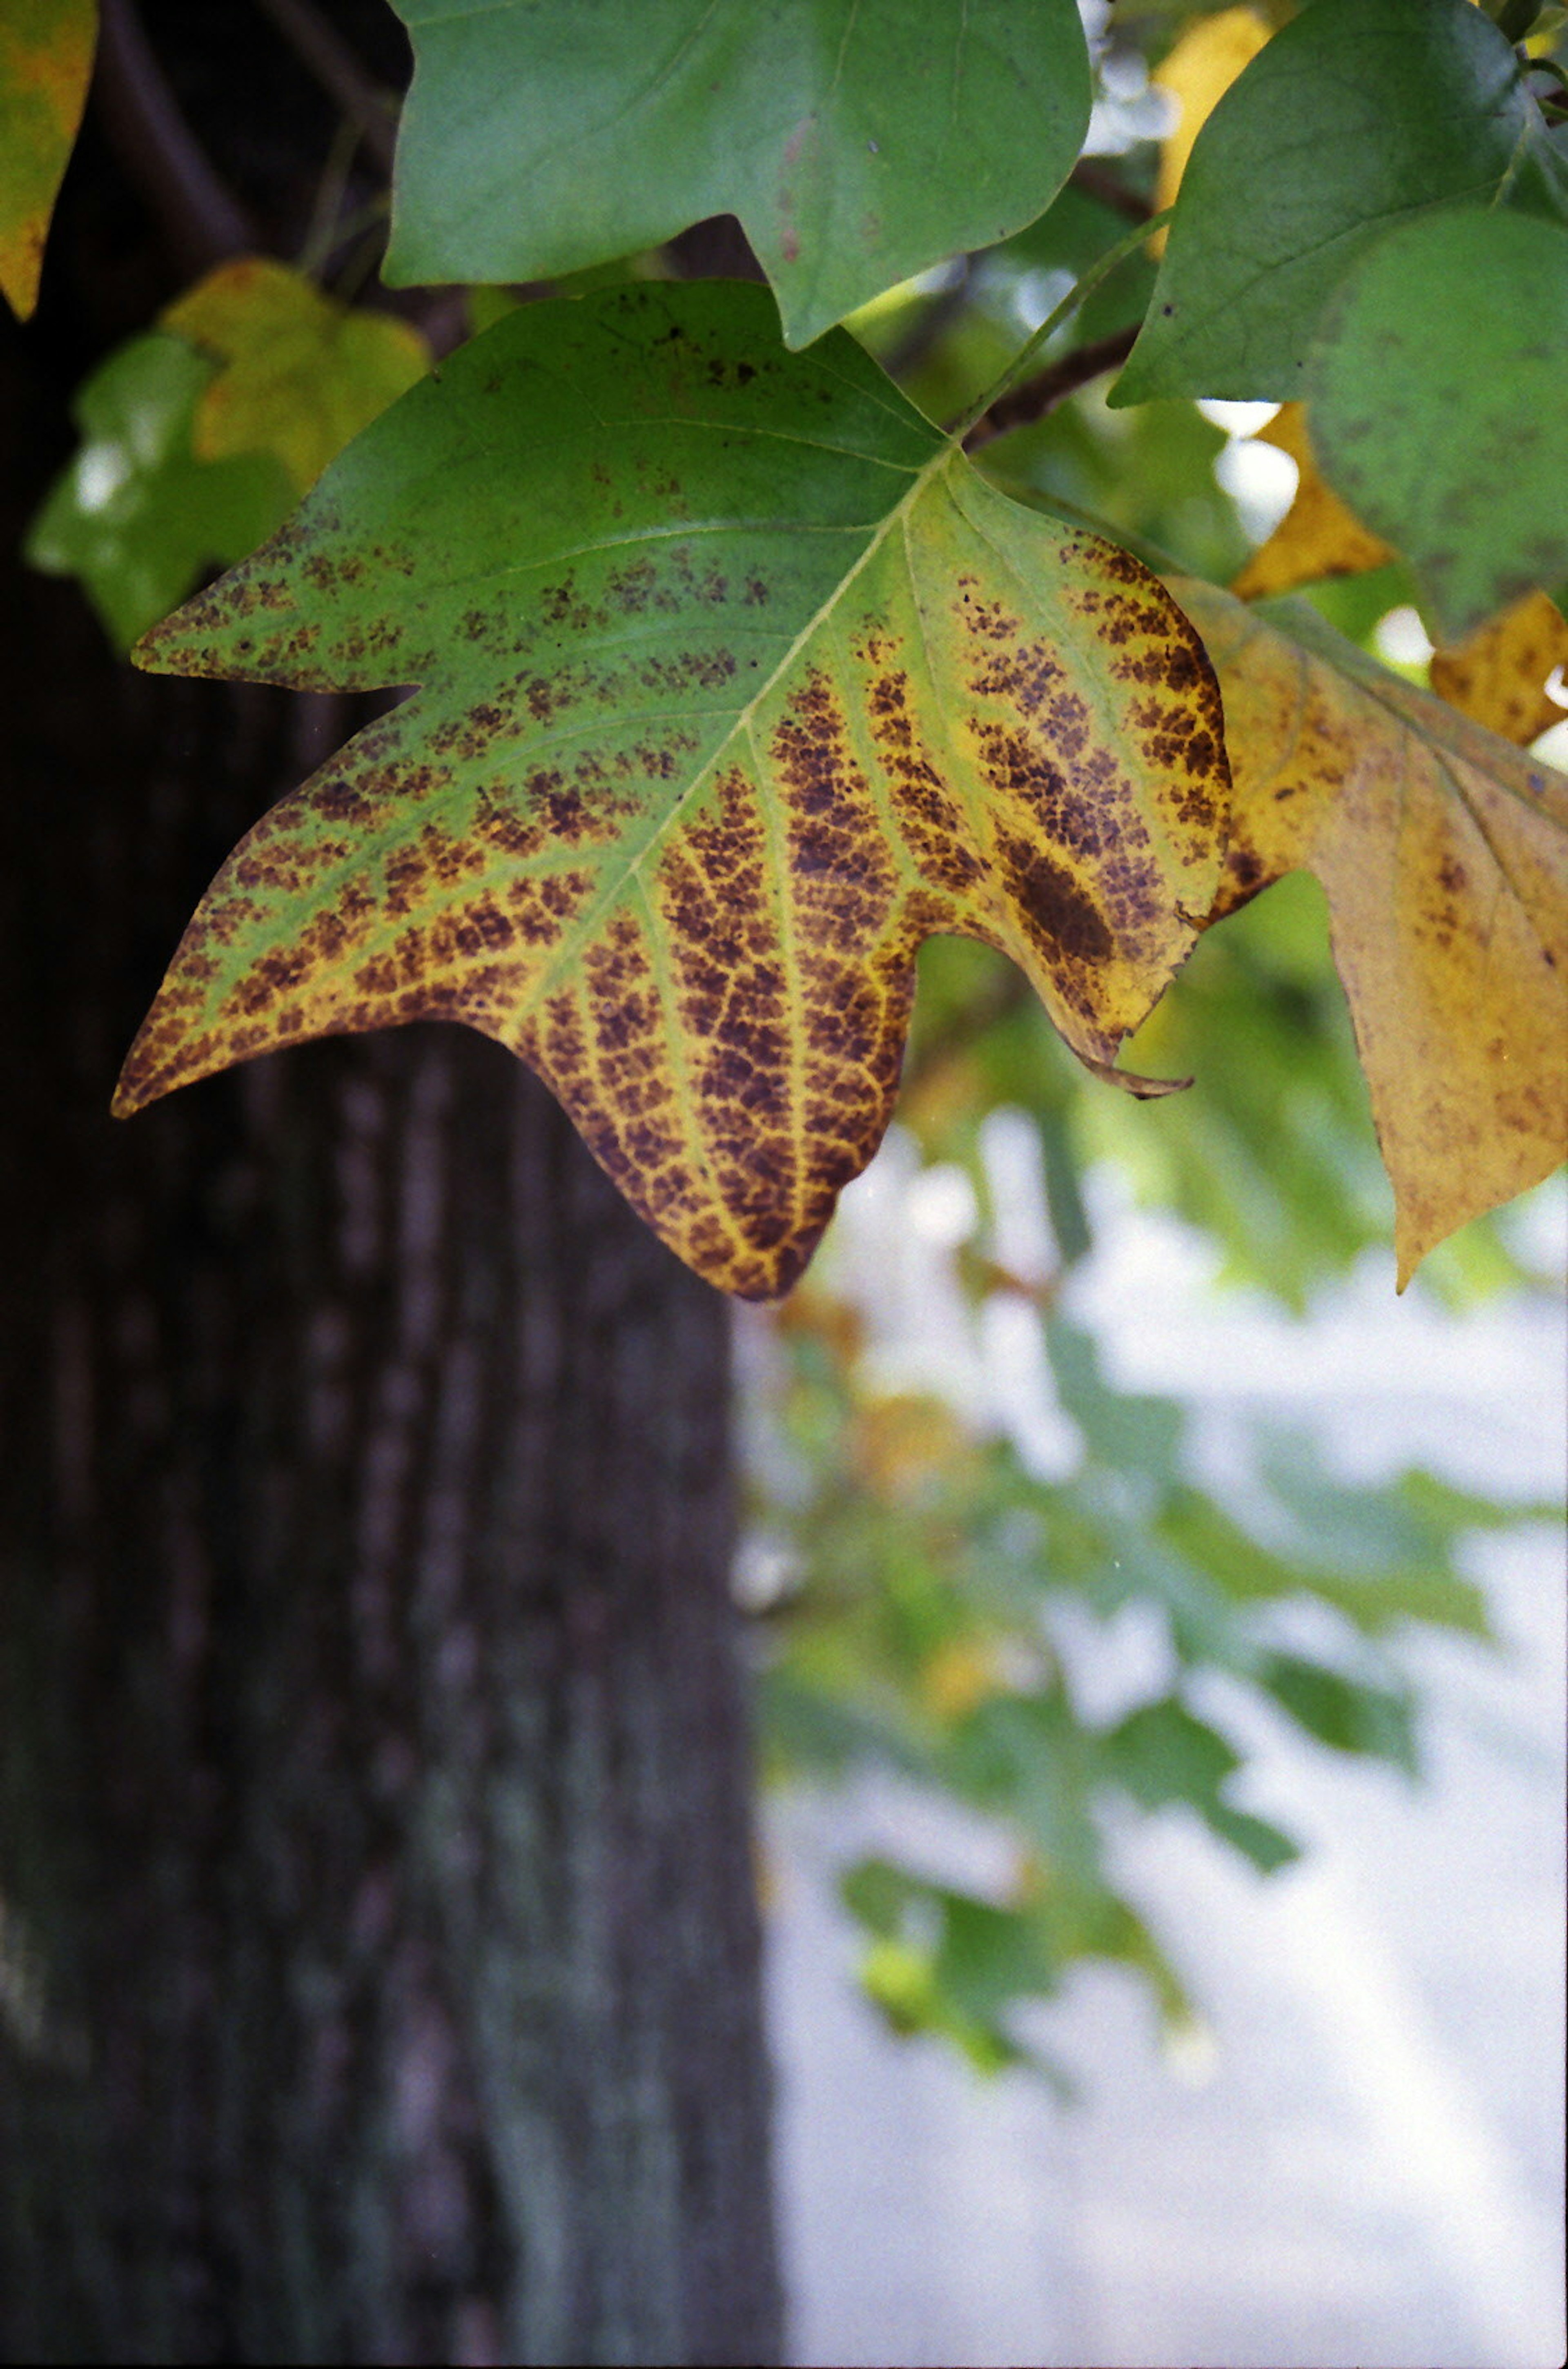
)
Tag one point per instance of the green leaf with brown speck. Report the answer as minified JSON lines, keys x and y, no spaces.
{"x":735,"y":683}
{"x":1466,"y":472}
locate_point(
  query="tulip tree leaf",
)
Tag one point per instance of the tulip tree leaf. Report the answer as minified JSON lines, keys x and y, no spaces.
{"x":46,"y":60}
{"x":300,"y":374}
{"x":1443,"y":853}
{"x":1356,"y":115}
{"x":737,"y":683}
{"x":1467,"y":472}
{"x":858,"y":141}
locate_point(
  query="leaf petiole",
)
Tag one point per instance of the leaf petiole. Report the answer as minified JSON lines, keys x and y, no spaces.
{"x":1078,"y":293}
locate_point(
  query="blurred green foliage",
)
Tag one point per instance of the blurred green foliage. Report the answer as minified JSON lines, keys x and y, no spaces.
{"x":136,"y":515}
{"x":921,"y":1596}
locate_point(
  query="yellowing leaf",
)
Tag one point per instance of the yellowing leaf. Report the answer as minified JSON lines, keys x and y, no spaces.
{"x":46,"y":60}
{"x":1499,"y":674}
{"x":301,"y":374}
{"x":900,"y":1445}
{"x":1197,"y":72}
{"x":738,"y":682}
{"x":961,"y":1673}
{"x":1318,"y":536}
{"x":1443,"y":853}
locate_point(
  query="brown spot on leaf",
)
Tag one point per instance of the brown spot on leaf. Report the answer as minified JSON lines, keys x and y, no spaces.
{"x":1055,"y":903}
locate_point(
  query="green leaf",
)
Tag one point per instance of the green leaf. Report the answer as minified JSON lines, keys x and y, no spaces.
{"x":1357,"y":114}
{"x":738,"y":682}
{"x":1268,"y":1846}
{"x":1127,"y":1431}
{"x":46,"y":58}
{"x":1160,"y":1754}
{"x":1466,"y":469}
{"x":1342,"y":1712}
{"x":136,"y":515}
{"x":858,"y":141}
{"x":1409,"y":1578}
{"x":1070,"y":239}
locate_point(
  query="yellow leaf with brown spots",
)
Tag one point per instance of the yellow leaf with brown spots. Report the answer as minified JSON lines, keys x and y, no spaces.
{"x":301,"y":373}
{"x":1498,"y":674}
{"x":1443,"y":853}
{"x":46,"y":61}
{"x":1318,"y":536}
{"x":1198,"y":72}
{"x":735,"y":683}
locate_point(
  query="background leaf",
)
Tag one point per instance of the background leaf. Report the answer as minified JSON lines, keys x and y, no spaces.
{"x":738,"y":682}
{"x":858,"y":141}
{"x":1318,"y":536}
{"x":1498,"y":674}
{"x":300,"y":374}
{"x":1436,"y":389}
{"x":1355,"y":114}
{"x":46,"y":61}
{"x":1443,"y":853}
{"x":136,"y":515}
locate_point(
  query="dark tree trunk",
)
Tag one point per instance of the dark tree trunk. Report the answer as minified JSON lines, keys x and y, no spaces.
{"x":378,"y":1946}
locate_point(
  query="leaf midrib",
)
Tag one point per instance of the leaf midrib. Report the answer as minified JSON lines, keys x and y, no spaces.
{"x":568,"y":951}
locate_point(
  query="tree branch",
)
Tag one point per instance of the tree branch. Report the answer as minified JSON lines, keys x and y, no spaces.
{"x":334,"y":65}
{"x":1043,"y":392}
{"x":199,"y":214}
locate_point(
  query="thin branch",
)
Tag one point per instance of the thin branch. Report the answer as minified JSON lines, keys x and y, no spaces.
{"x":328,"y":58}
{"x":203,"y":220}
{"x":1031,"y":401}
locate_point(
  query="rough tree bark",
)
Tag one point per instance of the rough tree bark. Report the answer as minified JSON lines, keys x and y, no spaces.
{"x":378,"y":1946}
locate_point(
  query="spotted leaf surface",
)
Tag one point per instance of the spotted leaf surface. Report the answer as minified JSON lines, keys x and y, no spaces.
{"x":1504,"y":673}
{"x":1467,"y":472}
{"x":735,"y":683}
{"x":858,"y":141}
{"x":1443,"y":853}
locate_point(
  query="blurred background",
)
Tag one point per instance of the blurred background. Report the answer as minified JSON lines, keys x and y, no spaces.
{"x":1158,"y":1622}
{"x":1347,"y":2145}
